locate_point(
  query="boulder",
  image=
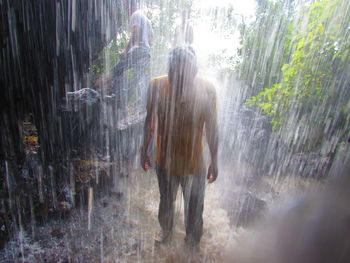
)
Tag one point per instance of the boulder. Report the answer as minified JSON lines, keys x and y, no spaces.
{"x":252,"y":208}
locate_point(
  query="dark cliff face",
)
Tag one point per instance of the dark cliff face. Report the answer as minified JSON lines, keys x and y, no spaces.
{"x":45,"y":47}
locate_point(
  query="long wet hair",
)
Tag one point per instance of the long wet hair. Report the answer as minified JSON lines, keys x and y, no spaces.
{"x":182,"y":66}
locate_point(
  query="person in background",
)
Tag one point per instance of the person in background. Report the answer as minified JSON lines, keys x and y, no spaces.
{"x":182,"y":106}
{"x":183,"y":32}
{"x":136,"y":56}
{"x":131,"y":77}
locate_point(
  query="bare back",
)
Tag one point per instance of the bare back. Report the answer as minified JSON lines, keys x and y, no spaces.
{"x":181,"y":124}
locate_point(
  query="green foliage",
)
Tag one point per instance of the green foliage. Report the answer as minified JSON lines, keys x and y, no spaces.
{"x":265,"y":46}
{"x":313,"y":82}
{"x":109,"y":55}
{"x":163,"y":16}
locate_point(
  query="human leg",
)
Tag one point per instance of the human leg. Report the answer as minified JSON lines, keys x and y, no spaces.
{"x":168,"y":186}
{"x":193,"y":189}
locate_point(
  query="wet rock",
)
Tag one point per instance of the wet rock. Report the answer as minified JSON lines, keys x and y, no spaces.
{"x":253,"y":140}
{"x":67,"y":193}
{"x":136,"y":246}
{"x":57,"y":233}
{"x":4,"y":230}
{"x":247,"y":113}
{"x":118,"y":209}
{"x":252,"y":208}
{"x":104,"y":203}
{"x":84,"y":97}
{"x":25,"y":174}
{"x":250,"y":138}
{"x":41,"y":211}
{"x":30,"y":137}
{"x":309,"y":165}
{"x":32,"y":160}
{"x":131,"y":120}
{"x":117,"y":195}
{"x":65,"y":206}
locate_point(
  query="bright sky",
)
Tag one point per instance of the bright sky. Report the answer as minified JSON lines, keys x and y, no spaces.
{"x":243,"y":7}
{"x":208,"y":41}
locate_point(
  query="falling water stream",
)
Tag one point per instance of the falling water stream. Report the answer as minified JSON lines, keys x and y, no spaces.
{"x":265,"y":192}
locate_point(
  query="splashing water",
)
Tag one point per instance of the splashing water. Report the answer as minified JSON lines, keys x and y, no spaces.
{"x":281,"y":71}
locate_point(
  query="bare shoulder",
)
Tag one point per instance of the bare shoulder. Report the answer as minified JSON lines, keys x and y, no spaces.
{"x":158,"y":82}
{"x":161,"y":80}
{"x":206,"y":88}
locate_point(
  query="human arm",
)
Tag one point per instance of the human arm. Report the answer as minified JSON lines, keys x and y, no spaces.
{"x":134,"y":39}
{"x":177,"y":37}
{"x":188,"y":34}
{"x":211,"y":127}
{"x":151,"y":36}
{"x":149,"y":128}
{"x":135,"y":36}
